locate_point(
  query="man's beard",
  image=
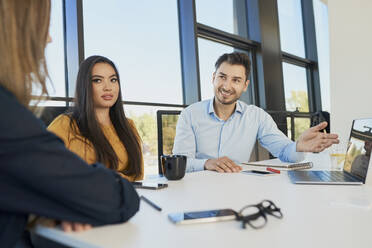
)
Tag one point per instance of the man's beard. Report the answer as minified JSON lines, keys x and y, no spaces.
{"x":222,"y":101}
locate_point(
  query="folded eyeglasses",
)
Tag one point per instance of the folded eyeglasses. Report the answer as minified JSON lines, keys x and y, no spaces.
{"x":256,"y":215}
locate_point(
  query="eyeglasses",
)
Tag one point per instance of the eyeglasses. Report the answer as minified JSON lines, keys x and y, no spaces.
{"x":255,"y":215}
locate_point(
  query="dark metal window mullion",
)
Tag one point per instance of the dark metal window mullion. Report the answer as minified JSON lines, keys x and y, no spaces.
{"x":315,"y":101}
{"x":74,"y":42}
{"x":189,"y":52}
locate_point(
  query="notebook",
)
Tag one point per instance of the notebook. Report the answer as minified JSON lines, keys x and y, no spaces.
{"x":276,"y":163}
{"x":356,"y":162}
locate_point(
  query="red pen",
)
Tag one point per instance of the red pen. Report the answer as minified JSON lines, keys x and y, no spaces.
{"x":273,"y":170}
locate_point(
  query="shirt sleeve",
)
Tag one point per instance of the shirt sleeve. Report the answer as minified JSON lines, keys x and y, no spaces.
{"x":272,"y":139}
{"x":184,"y":143}
{"x":38,"y":175}
{"x":60,"y":126}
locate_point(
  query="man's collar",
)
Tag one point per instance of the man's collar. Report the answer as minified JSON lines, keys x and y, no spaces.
{"x":211,"y":107}
{"x":239,"y":107}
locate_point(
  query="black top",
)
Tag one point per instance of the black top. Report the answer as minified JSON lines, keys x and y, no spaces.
{"x":38,"y":175}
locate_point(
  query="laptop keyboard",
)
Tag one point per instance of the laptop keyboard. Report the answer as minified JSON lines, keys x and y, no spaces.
{"x":322,"y":176}
{"x":334,"y":176}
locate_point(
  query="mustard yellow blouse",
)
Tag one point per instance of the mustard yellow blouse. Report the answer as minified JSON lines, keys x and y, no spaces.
{"x":83,"y":148}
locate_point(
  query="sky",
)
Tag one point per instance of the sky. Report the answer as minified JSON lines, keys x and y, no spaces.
{"x":55,"y":52}
{"x":142,"y":39}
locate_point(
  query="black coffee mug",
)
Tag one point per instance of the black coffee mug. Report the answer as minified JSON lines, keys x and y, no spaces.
{"x":173,"y":166}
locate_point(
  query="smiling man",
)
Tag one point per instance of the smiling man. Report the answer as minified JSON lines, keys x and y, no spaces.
{"x":219,"y":133}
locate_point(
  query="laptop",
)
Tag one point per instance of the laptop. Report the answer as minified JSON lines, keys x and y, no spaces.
{"x":356,"y":161}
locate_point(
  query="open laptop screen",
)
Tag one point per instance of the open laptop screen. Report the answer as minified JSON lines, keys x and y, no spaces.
{"x":359,"y":149}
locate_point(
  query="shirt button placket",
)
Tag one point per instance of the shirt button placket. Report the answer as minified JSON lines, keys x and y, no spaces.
{"x":220,"y":139}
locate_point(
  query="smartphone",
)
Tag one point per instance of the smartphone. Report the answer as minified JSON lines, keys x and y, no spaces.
{"x":257,"y":172}
{"x":202,"y":216}
{"x":149,"y":185}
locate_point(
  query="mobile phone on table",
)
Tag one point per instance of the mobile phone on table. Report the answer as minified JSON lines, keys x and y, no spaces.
{"x":202,"y":216}
{"x":258,"y":172}
{"x":149,"y":185}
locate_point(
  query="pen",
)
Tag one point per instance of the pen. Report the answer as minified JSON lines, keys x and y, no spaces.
{"x":151,"y":203}
{"x":273,"y":170}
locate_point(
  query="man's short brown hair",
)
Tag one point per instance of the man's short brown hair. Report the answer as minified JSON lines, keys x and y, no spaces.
{"x":235,"y":58}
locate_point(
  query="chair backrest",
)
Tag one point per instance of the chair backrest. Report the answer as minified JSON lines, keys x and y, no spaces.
{"x":167,"y":122}
{"x":50,"y":113}
{"x":320,"y":116}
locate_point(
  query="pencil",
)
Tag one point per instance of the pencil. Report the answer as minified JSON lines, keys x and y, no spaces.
{"x":273,"y":170}
{"x":151,"y":203}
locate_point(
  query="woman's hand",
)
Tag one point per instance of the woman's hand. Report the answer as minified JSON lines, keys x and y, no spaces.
{"x":74,"y":226}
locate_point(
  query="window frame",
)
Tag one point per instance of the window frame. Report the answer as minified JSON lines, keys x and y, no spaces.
{"x":257,"y":33}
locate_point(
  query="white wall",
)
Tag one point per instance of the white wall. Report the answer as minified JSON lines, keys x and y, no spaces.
{"x":350,"y":28}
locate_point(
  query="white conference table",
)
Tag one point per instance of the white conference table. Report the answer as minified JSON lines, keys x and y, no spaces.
{"x":314,"y":215}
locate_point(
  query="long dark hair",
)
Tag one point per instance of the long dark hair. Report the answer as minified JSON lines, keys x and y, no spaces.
{"x":84,"y":115}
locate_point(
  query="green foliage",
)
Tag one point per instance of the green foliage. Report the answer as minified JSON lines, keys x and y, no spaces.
{"x":146,"y":126}
{"x":298,"y":100}
{"x":169,"y":132}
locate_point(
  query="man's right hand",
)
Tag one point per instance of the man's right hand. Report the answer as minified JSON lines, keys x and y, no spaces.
{"x":222,"y":165}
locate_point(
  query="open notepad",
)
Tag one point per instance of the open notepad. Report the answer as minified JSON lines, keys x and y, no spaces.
{"x":276,"y":163}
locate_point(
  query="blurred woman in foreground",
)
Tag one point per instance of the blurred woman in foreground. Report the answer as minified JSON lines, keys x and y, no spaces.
{"x":38,"y":175}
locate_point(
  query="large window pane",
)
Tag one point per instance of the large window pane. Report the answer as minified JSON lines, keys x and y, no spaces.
{"x":209,"y":52}
{"x":322,"y":38}
{"x":295,"y":88}
{"x":55,"y":52}
{"x":296,"y":96}
{"x":144,"y":118}
{"x":217,"y":14}
{"x":291,"y":27}
{"x":142,"y":38}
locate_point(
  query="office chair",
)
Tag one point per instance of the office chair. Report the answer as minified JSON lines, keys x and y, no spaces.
{"x":320,"y":116}
{"x":167,"y":122}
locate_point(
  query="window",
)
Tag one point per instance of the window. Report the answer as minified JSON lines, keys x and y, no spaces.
{"x":48,"y":103}
{"x":219,"y":15}
{"x":55,"y":52}
{"x":295,"y":88}
{"x":291,"y":27}
{"x":142,"y":39}
{"x":322,"y":35}
{"x":209,"y":52}
{"x":144,"y":118}
{"x":296,"y":97}
{"x":301,"y":125}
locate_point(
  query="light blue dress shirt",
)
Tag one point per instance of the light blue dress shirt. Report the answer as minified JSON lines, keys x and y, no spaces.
{"x":201,"y":135}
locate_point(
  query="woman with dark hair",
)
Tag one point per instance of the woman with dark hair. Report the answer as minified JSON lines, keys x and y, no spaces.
{"x":38,"y":175}
{"x":97,"y":129}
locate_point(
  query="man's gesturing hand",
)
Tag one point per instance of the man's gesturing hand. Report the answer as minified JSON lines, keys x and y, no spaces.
{"x":314,"y":141}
